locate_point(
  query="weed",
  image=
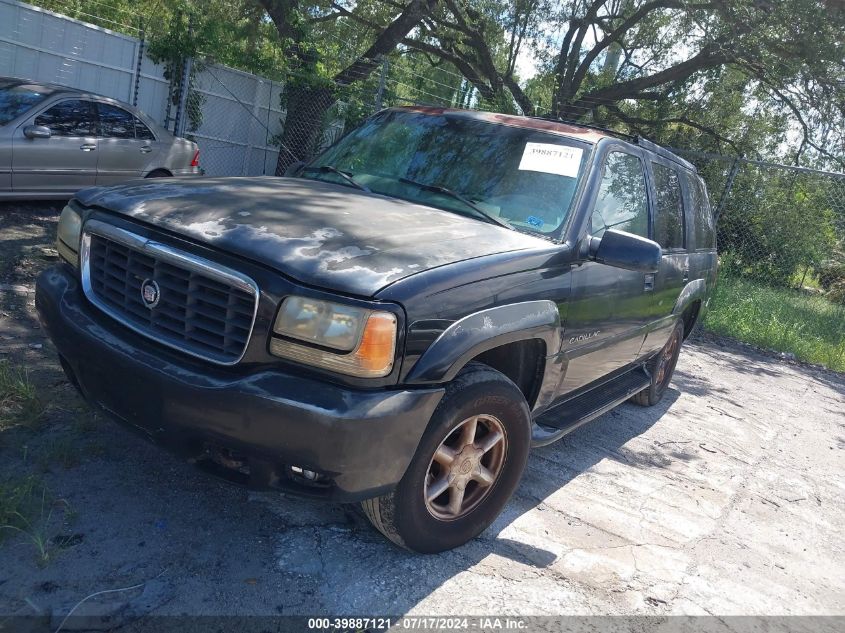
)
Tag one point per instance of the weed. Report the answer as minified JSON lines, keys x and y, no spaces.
{"x":26,"y":507}
{"x":785,"y":320}
{"x":63,"y":450}
{"x":20,"y":403}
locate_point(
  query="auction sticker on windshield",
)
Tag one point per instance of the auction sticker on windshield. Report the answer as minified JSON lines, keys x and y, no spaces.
{"x":551,"y":159}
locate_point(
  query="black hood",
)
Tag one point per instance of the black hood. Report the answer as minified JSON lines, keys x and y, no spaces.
{"x":319,"y":233}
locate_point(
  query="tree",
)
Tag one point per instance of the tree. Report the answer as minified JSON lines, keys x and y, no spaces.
{"x":310,"y":92}
{"x":640,"y":62}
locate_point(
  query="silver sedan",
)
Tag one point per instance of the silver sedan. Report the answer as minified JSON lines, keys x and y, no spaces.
{"x":56,"y":140}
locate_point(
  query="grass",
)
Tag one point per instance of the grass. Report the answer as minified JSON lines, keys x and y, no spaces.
{"x":784,"y":320}
{"x":20,"y":403}
{"x":27,"y":507}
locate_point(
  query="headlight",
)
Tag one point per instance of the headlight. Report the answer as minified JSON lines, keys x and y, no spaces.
{"x":67,"y":239}
{"x":351,"y":340}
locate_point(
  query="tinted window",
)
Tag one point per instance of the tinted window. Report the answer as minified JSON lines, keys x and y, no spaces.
{"x":704,"y":230}
{"x":68,"y":118}
{"x":669,"y":214}
{"x":115,"y":122}
{"x":622,"y":203}
{"x":17,"y":99}
{"x":142,"y":131}
{"x":524,"y":177}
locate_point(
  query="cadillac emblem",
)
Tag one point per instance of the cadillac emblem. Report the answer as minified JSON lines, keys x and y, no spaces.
{"x":150,"y":293}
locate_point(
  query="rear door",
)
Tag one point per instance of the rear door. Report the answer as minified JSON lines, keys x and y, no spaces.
{"x":126,"y":145}
{"x":610,"y":308}
{"x":65,"y":162}
{"x":670,"y":233}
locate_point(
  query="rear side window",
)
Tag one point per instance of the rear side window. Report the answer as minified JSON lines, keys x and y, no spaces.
{"x":115,"y":122}
{"x":704,"y":229}
{"x":142,"y":132}
{"x":72,"y":117}
{"x":621,"y":203}
{"x":669,"y":213}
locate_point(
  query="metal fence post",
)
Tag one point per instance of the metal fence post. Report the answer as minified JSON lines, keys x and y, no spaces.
{"x":727,"y":190}
{"x":179,"y":123}
{"x":137,"y":87}
{"x":385,"y":66}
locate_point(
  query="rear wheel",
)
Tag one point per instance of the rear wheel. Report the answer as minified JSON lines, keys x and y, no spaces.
{"x":159,"y":173}
{"x":466,"y":467}
{"x":661,"y":368}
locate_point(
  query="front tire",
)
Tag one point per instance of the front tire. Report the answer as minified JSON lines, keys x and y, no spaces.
{"x":661,"y":368}
{"x":467,"y":466}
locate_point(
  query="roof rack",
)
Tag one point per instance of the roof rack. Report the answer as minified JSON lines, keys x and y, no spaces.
{"x":606,"y":130}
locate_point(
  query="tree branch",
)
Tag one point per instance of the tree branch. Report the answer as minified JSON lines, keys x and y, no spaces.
{"x":386,"y":41}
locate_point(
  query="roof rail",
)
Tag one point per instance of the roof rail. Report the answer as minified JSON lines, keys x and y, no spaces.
{"x":606,"y":130}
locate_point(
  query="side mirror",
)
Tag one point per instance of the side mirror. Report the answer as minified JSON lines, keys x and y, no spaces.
{"x":294,"y":168}
{"x":37,"y":131}
{"x":626,"y":250}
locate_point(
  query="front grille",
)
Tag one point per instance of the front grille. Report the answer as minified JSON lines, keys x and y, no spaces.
{"x":200,"y":307}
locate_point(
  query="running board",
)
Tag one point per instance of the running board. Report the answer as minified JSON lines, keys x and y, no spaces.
{"x":570,"y":414}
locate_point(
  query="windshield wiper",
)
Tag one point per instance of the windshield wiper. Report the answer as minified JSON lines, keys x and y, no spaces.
{"x":331,"y":169}
{"x":457,"y":196}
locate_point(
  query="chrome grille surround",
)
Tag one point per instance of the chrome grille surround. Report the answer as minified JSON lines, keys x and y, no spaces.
{"x":206,"y":310}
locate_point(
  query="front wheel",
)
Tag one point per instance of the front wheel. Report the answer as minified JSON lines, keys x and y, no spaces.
{"x":466,"y":467}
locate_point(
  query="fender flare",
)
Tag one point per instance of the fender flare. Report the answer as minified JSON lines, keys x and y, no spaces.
{"x":481,"y":331}
{"x":693,"y":291}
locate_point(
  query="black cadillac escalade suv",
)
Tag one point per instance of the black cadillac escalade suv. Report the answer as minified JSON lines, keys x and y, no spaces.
{"x":398,"y":321}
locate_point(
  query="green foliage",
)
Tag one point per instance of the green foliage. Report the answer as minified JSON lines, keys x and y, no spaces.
{"x":774,"y":224}
{"x":20,"y":403}
{"x":27,"y":508}
{"x":780,"y":319}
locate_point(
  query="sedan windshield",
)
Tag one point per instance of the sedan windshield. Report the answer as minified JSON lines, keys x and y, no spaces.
{"x":515,"y":177}
{"x":15,"y":99}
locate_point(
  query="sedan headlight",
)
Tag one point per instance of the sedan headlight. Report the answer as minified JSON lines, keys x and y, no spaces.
{"x":67,"y":238}
{"x":341,"y":338}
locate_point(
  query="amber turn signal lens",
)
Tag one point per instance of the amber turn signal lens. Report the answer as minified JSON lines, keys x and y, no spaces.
{"x":375,"y":353}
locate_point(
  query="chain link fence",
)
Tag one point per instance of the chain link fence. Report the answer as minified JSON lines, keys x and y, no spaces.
{"x":781,"y":241}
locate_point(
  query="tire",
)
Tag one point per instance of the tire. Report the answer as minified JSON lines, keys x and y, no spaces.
{"x":661,"y":368}
{"x":413,"y":515}
{"x":159,"y":173}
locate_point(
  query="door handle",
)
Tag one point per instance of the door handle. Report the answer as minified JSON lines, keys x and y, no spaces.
{"x":146,"y":149}
{"x":648,"y":285}
{"x":686,"y":275}
{"x":88,"y":147}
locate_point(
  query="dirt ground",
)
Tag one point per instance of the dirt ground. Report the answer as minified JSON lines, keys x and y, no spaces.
{"x":725,"y":499}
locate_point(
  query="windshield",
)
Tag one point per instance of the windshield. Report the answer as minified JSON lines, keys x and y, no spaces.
{"x":516,"y":177}
{"x":15,"y":99}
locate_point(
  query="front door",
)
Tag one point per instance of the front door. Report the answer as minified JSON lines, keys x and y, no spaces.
{"x":609,"y":311}
{"x":65,"y":162}
{"x":126,"y":145}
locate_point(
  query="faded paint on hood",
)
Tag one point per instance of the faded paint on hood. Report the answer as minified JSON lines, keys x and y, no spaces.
{"x":319,"y":233}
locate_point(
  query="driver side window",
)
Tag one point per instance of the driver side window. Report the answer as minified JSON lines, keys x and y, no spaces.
{"x":621,"y":203}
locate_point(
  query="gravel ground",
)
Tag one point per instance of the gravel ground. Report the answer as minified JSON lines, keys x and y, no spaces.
{"x":725,"y":499}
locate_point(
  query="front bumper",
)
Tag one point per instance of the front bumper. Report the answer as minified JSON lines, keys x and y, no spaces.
{"x":361,"y":441}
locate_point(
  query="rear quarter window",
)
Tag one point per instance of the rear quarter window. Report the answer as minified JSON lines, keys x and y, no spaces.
{"x":669,"y":208}
{"x":704,"y":228}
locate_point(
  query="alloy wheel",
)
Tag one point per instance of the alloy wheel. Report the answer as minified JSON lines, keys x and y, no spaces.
{"x":464,"y":467}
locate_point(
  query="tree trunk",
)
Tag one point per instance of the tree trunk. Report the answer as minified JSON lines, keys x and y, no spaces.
{"x":304,"y":122}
